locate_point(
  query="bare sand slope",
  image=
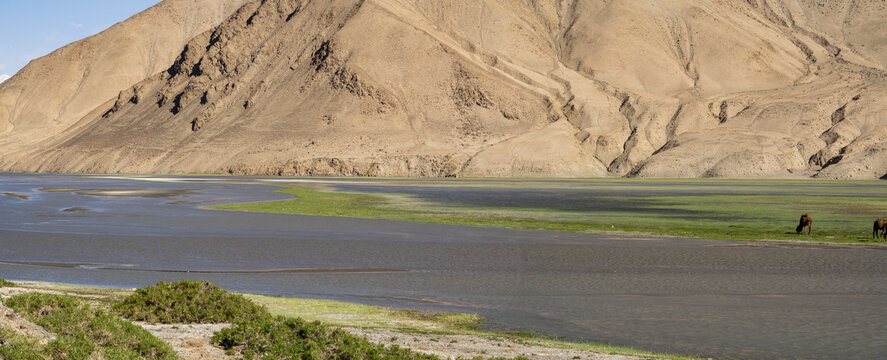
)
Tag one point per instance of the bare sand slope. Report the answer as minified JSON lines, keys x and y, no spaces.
{"x":54,"y":92}
{"x":684,"y":88}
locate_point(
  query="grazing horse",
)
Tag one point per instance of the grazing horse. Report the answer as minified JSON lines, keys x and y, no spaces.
{"x":880,"y":225}
{"x":806,"y":221}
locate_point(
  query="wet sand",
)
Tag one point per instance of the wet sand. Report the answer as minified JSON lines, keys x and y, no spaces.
{"x":17,"y":196}
{"x":148,"y":193}
{"x":713,"y":298}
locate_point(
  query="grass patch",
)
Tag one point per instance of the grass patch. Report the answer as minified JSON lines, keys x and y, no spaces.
{"x":366,"y":316}
{"x":6,"y":283}
{"x":17,"y":346}
{"x":188,"y":302}
{"x":82,"y":331}
{"x":294,"y":338}
{"x":740,"y":211}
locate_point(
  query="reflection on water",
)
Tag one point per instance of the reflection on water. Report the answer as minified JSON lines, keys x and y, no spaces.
{"x":665,"y":294}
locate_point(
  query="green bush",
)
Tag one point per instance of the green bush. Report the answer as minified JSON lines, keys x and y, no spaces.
{"x":6,"y":283}
{"x":283,"y":338}
{"x":189,"y":302}
{"x":83,"y":332}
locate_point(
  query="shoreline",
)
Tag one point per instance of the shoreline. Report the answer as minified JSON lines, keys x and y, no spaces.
{"x":448,"y":335}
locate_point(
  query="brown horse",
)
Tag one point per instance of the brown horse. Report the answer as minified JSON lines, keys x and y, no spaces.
{"x":806,"y":221}
{"x":880,"y":225}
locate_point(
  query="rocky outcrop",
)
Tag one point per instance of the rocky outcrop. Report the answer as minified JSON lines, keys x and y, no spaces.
{"x":758,"y":88}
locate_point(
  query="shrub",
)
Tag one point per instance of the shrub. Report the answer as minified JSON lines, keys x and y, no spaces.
{"x":6,"y":283}
{"x":283,"y":338}
{"x":190,"y":302}
{"x":83,"y":332}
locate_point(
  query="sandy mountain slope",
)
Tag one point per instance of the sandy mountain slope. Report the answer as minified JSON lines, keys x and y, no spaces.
{"x":682,"y":88}
{"x":54,"y":92}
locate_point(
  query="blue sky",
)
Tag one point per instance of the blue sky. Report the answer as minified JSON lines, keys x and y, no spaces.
{"x":32,"y":28}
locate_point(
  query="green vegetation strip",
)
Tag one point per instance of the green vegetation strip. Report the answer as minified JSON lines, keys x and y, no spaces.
{"x":6,"y":283}
{"x":365,"y":316}
{"x":728,"y":217}
{"x":81,"y":332}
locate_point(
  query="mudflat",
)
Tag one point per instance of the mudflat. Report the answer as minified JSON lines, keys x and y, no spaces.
{"x":670,"y":294}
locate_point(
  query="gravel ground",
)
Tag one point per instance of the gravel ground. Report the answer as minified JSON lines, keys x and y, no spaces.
{"x":191,"y":342}
{"x":469,"y":346}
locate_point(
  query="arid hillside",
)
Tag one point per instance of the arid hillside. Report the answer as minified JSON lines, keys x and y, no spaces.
{"x":644,"y":88}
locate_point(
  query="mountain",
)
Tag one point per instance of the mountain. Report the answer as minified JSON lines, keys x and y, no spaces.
{"x":644,"y":88}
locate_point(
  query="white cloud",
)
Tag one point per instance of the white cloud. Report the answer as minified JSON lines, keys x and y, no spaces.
{"x":4,"y":77}
{"x":76,"y":25}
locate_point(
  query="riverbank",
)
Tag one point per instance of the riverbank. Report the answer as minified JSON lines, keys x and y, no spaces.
{"x":442,"y":334}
